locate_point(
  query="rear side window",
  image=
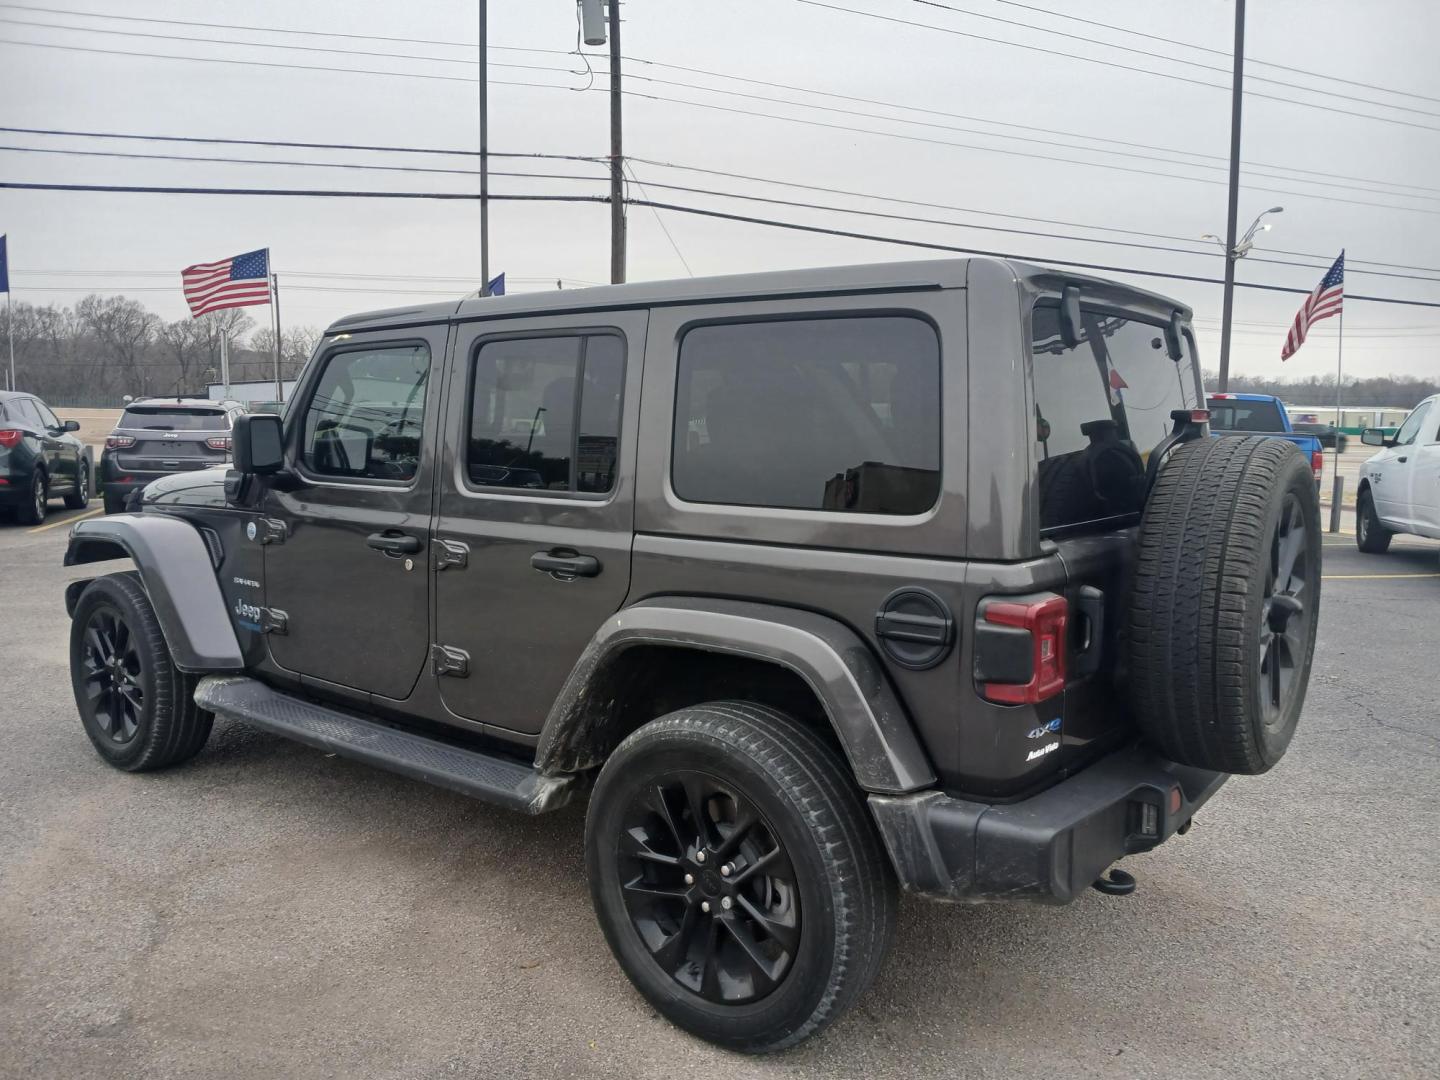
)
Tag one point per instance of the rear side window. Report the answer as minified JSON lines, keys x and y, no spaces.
{"x":810,"y":414}
{"x":1101,"y":406}
{"x":1232,"y":415}
{"x":367,"y":414}
{"x":545,"y":413}
{"x":172,"y":419}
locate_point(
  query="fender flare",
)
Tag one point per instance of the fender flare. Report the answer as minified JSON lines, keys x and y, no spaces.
{"x":175,"y":568}
{"x":834,"y":662}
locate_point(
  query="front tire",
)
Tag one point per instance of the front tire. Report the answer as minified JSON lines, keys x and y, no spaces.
{"x":737,"y":876}
{"x":114,"y":504}
{"x":1371,"y":536}
{"x":136,"y":707}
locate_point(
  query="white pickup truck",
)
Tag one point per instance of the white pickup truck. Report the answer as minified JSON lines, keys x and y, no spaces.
{"x":1400,"y":486}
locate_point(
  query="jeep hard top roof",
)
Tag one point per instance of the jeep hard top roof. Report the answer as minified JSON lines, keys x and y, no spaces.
{"x":775,"y":284}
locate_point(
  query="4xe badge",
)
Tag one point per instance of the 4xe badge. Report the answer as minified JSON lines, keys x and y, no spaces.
{"x":1044,"y":729}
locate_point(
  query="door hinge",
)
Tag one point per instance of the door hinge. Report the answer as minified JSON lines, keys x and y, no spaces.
{"x":448,"y":660}
{"x":451,"y":553}
{"x":270,"y":531}
{"x":274,"y":621}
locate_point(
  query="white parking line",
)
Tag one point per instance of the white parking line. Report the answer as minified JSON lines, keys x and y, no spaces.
{"x":65,"y":521}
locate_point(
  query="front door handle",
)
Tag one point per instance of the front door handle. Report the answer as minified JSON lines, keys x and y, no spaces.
{"x":1402,"y":459}
{"x":565,"y":564}
{"x":394,"y":543}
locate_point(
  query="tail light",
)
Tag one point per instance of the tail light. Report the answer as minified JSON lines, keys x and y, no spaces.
{"x":1317,"y":463}
{"x":10,"y":437}
{"x":219,"y":442}
{"x":119,"y":442}
{"x":1020,"y":648}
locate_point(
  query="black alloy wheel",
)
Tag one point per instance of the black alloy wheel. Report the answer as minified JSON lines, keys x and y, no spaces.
{"x":80,"y":497}
{"x":737,"y":874}
{"x":709,"y":888}
{"x":33,"y":512}
{"x":136,"y":707}
{"x":1286,"y":625}
{"x":112,"y":676}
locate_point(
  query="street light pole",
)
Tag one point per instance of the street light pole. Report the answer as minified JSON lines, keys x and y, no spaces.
{"x":484,"y":155}
{"x":1236,"y":95}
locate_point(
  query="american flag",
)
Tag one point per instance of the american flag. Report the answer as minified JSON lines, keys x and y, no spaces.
{"x":1325,"y":301}
{"x":229,"y":283}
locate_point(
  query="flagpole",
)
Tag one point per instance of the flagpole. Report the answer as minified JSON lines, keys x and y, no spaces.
{"x":10,"y":332}
{"x":1337,"y":485}
{"x":275,"y":314}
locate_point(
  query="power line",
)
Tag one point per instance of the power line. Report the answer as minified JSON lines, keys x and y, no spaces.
{"x":695,"y":191}
{"x":761,"y":82}
{"x":659,"y":220}
{"x":1113,"y":64}
{"x":189,"y":139}
{"x":716,"y":214}
{"x":1171,"y":59}
{"x":291,"y":163}
{"x":1216,"y":52}
{"x":1008,"y":124}
{"x":292,"y":145}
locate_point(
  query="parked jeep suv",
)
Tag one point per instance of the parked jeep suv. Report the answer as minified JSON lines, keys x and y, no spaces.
{"x":156,"y":437}
{"x":815,"y":583}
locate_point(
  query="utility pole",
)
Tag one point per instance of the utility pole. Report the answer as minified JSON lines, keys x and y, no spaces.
{"x":617,"y":158}
{"x":1237,"y":90}
{"x":484,"y":154}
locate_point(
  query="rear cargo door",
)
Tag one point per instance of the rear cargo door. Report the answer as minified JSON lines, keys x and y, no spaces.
{"x":1101,"y":406}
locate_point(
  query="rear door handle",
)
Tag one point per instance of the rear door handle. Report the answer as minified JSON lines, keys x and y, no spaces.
{"x":565,"y":564}
{"x":394,"y":543}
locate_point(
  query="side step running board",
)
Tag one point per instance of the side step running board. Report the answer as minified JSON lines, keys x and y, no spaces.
{"x":483,"y":776}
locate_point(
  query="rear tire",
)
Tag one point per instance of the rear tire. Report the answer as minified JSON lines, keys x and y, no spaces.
{"x":114,"y":504}
{"x":33,"y":510}
{"x":136,"y":707}
{"x":1371,"y":536}
{"x":81,"y":497}
{"x":789,"y":907}
{"x":1221,"y":627}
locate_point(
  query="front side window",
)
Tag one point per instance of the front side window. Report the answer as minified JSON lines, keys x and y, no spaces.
{"x":545,"y":413}
{"x":1101,"y":406}
{"x":47,"y":417}
{"x":810,"y":414}
{"x":1410,"y":429}
{"x":367,"y":414}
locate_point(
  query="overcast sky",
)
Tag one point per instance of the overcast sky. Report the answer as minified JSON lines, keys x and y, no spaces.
{"x":1371,"y":186}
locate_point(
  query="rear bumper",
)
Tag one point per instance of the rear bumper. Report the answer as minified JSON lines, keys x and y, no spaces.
{"x":1047,"y":848}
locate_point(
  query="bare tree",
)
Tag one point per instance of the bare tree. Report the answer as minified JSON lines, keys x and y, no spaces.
{"x":122,"y":330}
{"x":184,"y":341}
{"x":296,"y":345}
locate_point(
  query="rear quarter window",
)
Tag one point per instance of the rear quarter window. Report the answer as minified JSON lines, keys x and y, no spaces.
{"x":810,"y":414}
{"x":1249,"y":416}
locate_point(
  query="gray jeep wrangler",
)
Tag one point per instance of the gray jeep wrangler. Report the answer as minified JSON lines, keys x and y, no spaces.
{"x":817,"y":585}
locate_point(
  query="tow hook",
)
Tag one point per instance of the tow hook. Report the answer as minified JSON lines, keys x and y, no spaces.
{"x":1115,"y":883}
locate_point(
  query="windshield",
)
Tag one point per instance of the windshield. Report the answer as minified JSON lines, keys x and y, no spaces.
{"x":173,"y":419}
{"x":1232,"y":415}
{"x":1101,"y":405}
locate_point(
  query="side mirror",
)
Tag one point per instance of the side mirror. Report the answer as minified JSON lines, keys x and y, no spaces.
{"x":1375,"y":437}
{"x":257,"y":444}
{"x":70,"y":425}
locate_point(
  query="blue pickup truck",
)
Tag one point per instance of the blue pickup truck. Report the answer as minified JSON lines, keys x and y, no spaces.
{"x":1261,"y":414}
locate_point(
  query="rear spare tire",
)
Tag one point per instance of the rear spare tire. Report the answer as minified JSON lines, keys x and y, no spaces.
{"x":1222,"y":616}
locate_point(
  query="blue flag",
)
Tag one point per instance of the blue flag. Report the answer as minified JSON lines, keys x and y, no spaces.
{"x":4,"y":266}
{"x":496,"y":287}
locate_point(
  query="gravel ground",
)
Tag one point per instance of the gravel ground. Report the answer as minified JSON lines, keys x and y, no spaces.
{"x":268,"y":911}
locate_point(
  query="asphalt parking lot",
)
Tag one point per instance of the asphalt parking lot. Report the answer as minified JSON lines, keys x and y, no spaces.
{"x":267,"y":911}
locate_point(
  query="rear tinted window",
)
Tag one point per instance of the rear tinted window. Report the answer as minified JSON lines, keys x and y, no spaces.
{"x":174,"y":419}
{"x":1100,"y":407}
{"x":1246,"y":416}
{"x":810,"y":414}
